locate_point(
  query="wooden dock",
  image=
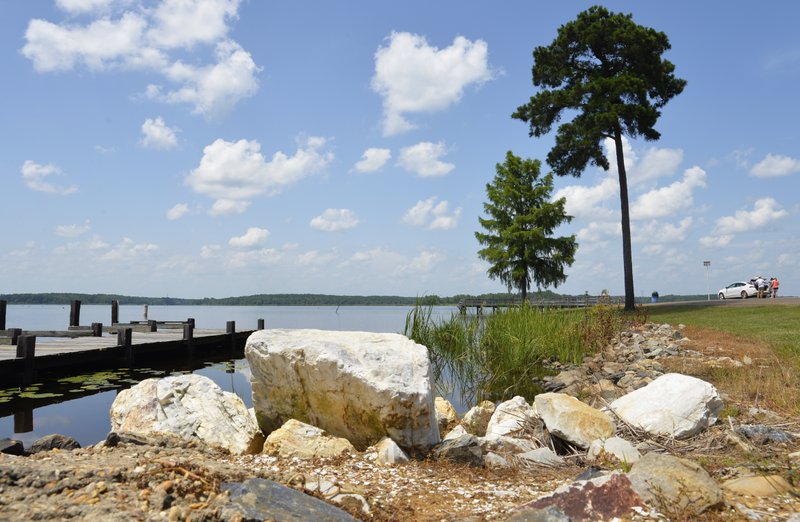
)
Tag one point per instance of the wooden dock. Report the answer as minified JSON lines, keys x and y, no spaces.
{"x":581,"y":301}
{"x":26,"y":354}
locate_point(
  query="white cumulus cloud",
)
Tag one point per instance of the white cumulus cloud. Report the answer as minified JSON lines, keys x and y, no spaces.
{"x":254,"y":236}
{"x":584,"y":201}
{"x":162,"y":39}
{"x":423,"y":159}
{"x":35,"y":176}
{"x":157,"y":135}
{"x":373,"y":159}
{"x":212,"y":89}
{"x":774,"y":165}
{"x":666,"y":201}
{"x":412,"y":76}
{"x":335,"y":219}
{"x":182,"y":23}
{"x":234,"y":172}
{"x":764,"y":211}
{"x":432,"y":215}
{"x":83,"y":6}
{"x":178,"y":211}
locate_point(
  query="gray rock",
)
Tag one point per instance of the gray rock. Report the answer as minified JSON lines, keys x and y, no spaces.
{"x":542,"y":456}
{"x":12,"y":447}
{"x":465,"y":449}
{"x":549,"y":514}
{"x":54,"y":441}
{"x":674,"y":485}
{"x":262,"y":499}
{"x":761,"y":434}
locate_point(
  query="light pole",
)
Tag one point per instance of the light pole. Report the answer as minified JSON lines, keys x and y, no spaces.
{"x":708,"y":291}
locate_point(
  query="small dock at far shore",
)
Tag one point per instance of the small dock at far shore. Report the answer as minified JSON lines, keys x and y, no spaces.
{"x":581,"y":301}
{"x":26,"y":354}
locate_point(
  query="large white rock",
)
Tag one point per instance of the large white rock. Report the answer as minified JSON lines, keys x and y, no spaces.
{"x":570,"y":419}
{"x":357,"y":385}
{"x":190,"y":406}
{"x":674,"y":405}
{"x":510,"y":417}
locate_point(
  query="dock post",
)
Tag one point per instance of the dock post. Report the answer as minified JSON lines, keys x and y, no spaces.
{"x":15,"y":333}
{"x":260,"y":324}
{"x":114,"y":312}
{"x":97,"y":329}
{"x":23,"y":421}
{"x":125,"y":341}
{"x":230,"y":329}
{"x":190,"y":321}
{"x":75,"y":313}
{"x":3,"y":305}
{"x":153,"y":325}
{"x":26,"y":348}
{"x":188,"y":337}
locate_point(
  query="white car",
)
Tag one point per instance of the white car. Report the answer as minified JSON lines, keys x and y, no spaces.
{"x":738,"y":289}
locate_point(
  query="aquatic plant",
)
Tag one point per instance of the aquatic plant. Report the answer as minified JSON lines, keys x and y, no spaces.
{"x":499,"y":355}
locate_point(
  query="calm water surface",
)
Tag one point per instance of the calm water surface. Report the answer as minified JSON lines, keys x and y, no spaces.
{"x":86,"y":418}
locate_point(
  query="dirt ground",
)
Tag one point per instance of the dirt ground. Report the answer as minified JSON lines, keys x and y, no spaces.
{"x":164,"y":479}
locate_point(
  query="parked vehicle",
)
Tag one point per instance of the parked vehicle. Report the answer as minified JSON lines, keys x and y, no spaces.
{"x":739,"y":289}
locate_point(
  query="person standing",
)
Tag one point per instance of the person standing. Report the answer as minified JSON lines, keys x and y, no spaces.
{"x":775,"y":285}
{"x":760,"y":287}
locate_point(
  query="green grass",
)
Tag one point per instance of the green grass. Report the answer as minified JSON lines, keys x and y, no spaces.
{"x":769,"y":331}
{"x":775,"y":324}
{"x":500,"y":355}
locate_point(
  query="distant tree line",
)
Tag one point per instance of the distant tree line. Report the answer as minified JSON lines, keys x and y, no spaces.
{"x":256,"y":300}
{"x":291,"y":299}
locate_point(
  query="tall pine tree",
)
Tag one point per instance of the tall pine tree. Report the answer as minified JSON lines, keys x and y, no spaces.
{"x":607,"y":71}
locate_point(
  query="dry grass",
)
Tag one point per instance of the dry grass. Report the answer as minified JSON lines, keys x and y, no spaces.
{"x":764,"y":379}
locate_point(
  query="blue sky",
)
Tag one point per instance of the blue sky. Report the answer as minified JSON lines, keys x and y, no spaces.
{"x":198,"y":148}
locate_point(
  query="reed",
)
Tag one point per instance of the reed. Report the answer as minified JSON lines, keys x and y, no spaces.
{"x":503,"y":354}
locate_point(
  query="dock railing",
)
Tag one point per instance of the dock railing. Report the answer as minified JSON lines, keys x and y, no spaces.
{"x":579,"y":301}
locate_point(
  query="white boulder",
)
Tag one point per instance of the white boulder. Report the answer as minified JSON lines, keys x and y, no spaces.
{"x":357,"y":385}
{"x":568,"y":418}
{"x":189,"y":406}
{"x":510,"y":417}
{"x":674,"y":405}
{"x":613,"y":449}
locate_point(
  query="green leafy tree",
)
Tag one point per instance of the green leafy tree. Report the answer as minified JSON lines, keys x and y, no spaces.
{"x":607,"y":71}
{"x":518,"y":242}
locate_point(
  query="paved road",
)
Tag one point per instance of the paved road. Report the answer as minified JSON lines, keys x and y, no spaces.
{"x":779,"y":301}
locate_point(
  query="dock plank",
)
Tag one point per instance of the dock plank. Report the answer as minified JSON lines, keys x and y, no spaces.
{"x":60,"y":345}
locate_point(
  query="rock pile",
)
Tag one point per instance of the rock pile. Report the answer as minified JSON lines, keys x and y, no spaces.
{"x":342,"y":395}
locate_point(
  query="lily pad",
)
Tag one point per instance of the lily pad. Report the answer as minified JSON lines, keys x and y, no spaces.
{"x":44,"y":395}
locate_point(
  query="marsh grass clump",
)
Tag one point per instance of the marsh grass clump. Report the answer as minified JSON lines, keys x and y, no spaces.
{"x":499,"y":355}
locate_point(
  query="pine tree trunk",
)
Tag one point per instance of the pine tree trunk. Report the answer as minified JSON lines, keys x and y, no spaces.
{"x":627,"y":256}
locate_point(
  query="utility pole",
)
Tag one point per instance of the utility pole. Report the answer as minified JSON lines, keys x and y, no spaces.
{"x":708,"y":290}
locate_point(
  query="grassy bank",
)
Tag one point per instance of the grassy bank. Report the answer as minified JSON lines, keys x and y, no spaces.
{"x":500,"y":355}
{"x":765,"y":335}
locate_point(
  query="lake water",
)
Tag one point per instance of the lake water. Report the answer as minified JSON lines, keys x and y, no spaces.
{"x":86,"y":418}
